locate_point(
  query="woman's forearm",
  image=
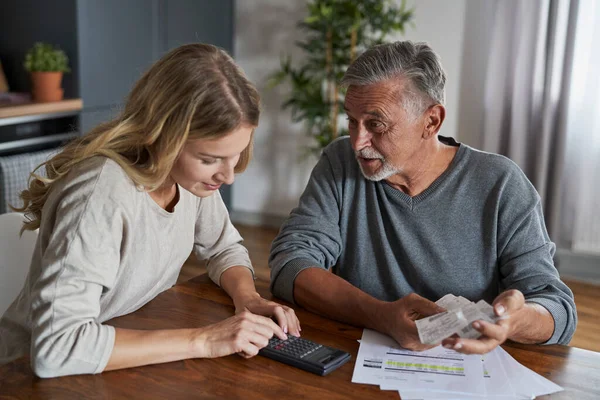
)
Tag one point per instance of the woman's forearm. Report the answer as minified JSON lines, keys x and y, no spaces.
{"x":239,"y":284}
{"x":135,"y":348}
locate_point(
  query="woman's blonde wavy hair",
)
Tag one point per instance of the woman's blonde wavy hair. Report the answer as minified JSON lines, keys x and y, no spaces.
{"x":195,"y":91}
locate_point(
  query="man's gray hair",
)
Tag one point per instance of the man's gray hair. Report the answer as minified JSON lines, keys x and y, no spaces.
{"x":415,"y":61}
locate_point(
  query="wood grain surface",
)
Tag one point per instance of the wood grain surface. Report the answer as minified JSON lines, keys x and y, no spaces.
{"x":199,"y":302}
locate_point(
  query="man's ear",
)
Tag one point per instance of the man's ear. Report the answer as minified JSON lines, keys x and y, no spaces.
{"x":434,"y":117}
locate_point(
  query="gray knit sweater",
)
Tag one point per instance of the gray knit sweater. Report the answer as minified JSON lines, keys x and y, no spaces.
{"x":476,"y":231}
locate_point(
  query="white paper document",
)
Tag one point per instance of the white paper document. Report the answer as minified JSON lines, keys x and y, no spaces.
{"x":381,"y":361}
{"x":443,"y":374}
{"x":497,"y":385}
{"x":525,"y":382}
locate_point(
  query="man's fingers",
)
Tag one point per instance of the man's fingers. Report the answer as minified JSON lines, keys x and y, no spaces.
{"x":418,"y":346}
{"x":492,"y":336}
{"x":493,"y":331}
{"x":507,"y":302}
{"x":424,"y":307}
{"x":482,"y":345}
{"x":423,"y":347}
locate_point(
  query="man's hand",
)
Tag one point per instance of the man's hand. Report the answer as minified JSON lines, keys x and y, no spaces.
{"x":284,"y":315}
{"x":401,"y":316}
{"x":507,"y":306}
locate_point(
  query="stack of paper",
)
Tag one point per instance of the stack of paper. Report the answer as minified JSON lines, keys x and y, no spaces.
{"x":458,"y":319}
{"x":442,"y":373}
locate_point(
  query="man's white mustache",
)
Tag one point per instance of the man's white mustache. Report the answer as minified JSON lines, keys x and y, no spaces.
{"x":369,"y":153}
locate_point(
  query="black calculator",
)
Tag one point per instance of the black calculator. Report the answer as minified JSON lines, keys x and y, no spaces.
{"x":305,"y":354}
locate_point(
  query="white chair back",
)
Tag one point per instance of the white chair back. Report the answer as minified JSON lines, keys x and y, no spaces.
{"x":15,"y":257}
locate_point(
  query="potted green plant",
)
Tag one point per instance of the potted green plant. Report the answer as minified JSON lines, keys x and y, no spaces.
{"x":46,"y":65}
{"x":337,"y":31}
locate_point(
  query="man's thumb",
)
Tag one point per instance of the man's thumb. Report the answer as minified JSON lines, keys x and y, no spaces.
{"x":427,"y":308}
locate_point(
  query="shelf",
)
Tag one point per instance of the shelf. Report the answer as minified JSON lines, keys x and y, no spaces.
{"x":21,"y":113}
{"x":22,"y":143}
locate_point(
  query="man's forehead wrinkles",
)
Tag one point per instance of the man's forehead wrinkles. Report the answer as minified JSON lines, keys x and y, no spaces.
{"x":381,"y":97}
{"x":371,"y":101}
{"x":376,"y":109}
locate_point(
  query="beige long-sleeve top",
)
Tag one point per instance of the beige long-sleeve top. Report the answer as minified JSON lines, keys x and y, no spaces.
{"x":105,"y":249}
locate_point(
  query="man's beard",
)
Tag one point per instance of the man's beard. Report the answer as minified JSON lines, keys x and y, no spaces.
{"x":385,"y":171}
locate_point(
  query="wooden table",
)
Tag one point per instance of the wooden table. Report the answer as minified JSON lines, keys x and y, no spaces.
{"x":199,"y":302}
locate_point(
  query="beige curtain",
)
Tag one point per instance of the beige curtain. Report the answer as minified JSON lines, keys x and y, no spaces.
{"x":526,"y":92}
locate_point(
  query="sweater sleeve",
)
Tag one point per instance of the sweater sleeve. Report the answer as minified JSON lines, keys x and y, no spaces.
{"x":216,"y":239}
{"x":310,"y":237}
{"x":525,"y":257}
{"x":80,"y":261}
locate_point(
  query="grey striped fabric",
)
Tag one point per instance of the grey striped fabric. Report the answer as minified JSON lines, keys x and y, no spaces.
{"x":14,"y":175}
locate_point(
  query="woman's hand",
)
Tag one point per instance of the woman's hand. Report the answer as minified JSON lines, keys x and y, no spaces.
{"x":239,"y":284}
{"x":245,"y":334}
{"x":284,"y":315}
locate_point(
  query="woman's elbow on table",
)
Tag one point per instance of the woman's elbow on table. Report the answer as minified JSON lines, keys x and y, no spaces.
{"x":45,"y":368}
{"x":46,"y":361}
{"x":80,"y":350}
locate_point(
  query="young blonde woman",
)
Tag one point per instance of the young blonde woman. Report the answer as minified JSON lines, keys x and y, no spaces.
{"x":119,"y":213}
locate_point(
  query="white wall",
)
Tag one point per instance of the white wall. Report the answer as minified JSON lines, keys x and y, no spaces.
{"x":479,"y":17}
{"x":441,"y":24}
{"x":265,"y":29}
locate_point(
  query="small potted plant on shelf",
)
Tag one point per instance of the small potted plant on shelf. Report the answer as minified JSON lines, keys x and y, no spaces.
{"x":46,"y":65}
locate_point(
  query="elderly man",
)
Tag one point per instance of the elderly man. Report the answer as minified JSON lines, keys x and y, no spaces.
{"x":395,"y":217}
